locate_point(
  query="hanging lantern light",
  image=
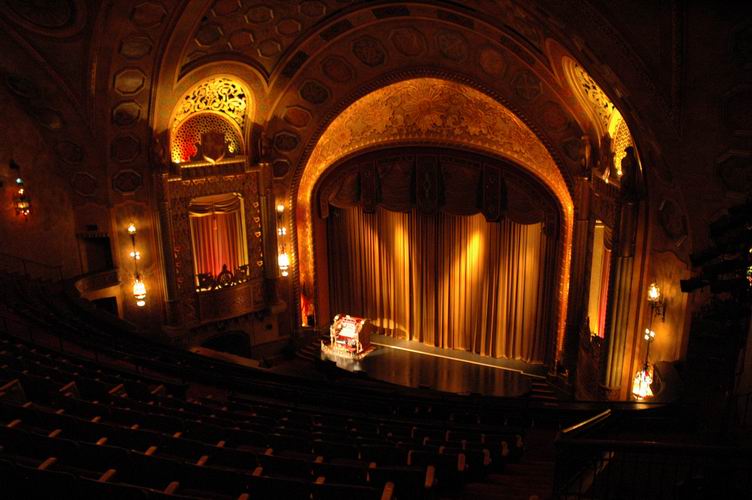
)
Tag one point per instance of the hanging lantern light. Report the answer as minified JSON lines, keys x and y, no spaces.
{"x":139,"y":291}
{"x":283,"y":260}
{"x":22,"y":201}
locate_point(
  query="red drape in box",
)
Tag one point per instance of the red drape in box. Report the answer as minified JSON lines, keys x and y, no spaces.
{"x":217,"y":233}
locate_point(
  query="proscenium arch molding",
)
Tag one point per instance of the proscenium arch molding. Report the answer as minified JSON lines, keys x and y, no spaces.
{"x":426,"y":111}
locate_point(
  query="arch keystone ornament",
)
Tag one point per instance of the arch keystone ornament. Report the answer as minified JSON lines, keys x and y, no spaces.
{"x":429,"y":111}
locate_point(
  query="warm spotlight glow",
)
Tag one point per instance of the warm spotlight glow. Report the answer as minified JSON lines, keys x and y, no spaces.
{"x":654,"y":293}
{"x":139,"y":292}
{"x":136,"y":255}
{"x":280,"y":208}
{"x":131,"y":228}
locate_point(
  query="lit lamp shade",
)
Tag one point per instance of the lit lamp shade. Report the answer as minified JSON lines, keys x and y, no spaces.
{"x":283,"y":260}
{"x":654,"y":293}
{"x":139,"y":292}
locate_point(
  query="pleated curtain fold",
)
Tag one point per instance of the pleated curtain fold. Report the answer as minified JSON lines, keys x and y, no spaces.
{"x":456,"y":282}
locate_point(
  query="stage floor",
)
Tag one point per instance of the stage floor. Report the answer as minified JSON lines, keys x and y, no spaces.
{"x":411,"y":364}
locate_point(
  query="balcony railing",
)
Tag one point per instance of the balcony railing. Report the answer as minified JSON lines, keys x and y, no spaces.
{"x":589,"y":467}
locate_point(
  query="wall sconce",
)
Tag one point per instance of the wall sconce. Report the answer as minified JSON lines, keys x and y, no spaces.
{"x":283,"y":260}
{"x":657,"y":302}
{"x":22,"y":200}
{"x":139,"y":289}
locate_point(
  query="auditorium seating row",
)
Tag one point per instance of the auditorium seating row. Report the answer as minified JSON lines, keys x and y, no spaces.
{"x":111,"y":416}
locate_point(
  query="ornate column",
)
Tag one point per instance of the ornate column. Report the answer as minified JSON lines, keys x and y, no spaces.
{"x":622,"y":279}
{"x":578,"y":288}
{"x":269,"y":228}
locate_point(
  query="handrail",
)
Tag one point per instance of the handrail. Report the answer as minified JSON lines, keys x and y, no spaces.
{"x":26,"y":264}
{"x":586,"y":424}
{"x":684,"y":448}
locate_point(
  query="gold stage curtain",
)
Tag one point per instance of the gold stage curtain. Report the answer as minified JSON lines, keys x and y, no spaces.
{"x":456,"y":282}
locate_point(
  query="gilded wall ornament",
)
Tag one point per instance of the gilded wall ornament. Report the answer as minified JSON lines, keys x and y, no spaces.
{"x":220,"y":95}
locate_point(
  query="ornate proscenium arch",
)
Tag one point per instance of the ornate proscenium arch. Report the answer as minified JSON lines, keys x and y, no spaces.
{"x":431,"y":111}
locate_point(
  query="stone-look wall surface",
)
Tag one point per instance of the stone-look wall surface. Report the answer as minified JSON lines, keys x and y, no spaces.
{"x":47,"y":235}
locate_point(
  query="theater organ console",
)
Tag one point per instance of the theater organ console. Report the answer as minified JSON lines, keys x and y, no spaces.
{"x":349,"y":336}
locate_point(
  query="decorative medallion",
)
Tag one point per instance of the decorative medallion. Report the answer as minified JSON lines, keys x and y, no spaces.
{"x":286,"y":141}
{"x":241,"y":40}
{"x":125,"y":148}
{"x":369,"y":51}
{"x":208,"y":34}
{"x":314,"y":92}
{"x":735,"y":171}
{"x":526,"y":85}
{"x":673,"y":221}
{"x":492,"y":62}
{"x":288,"y":27}
{"x":129,"y":81}
{"x":135,"y":46}
{"x":56,"y":18}
{"x":50,"y":14}
{"x":408,"y":41}
{"x":23,"y":87}
{"x":337,"y":69}
{"x":452,"y":45}
{"x":126,"y":181}
{"x":148,"y":14}
{"x":84,"y":184}
{"x":269,"y":48}
{"x":225,"y":7}
{"x":69,"y":152}
{"x":297,"y":116}
{"x":313,"y":8}
{"x":126,"y":113}
{"x":573,"y":148}
{"x":280,"y":167}
{"x":259,"y":14}
{"x":553,"y":117}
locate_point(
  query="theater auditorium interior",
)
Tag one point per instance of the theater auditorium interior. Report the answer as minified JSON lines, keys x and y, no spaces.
{"x":375,"y":249}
